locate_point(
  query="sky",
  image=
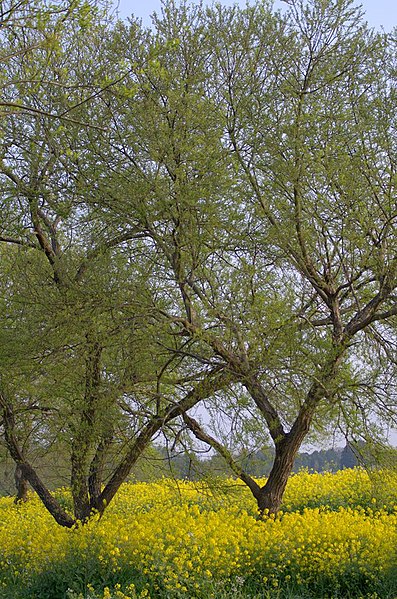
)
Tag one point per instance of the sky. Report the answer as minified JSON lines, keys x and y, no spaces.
{"x":378,"y":12}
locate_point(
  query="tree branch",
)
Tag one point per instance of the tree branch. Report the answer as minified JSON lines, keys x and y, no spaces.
{"x":22,"y":242}
{"x":30,"y":110}
{"x":214,"y":381}
{"x":27,"y":469}
{"x":200,"y":434}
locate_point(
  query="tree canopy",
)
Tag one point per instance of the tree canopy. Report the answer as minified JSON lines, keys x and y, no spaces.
{"x":198,"y":214}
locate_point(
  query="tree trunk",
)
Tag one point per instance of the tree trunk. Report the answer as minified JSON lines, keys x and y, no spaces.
{"x":56,"y":511}
{"x":96,"y":473}
{"x":78,"y":482}
{"x":21,"y":484}
{"x":213,"y":382}
{"x":271,"y":494}
{"x":124,"y":468}
{"x":85,"y":433}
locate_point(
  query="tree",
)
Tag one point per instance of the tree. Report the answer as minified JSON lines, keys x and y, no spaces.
{"x":85,"y":354}
{"x":30,"y":38}
{"x":266,"y":143}
{"x":226,"y":239}
{"x":319,"y":162}
{"x":348,"y":458}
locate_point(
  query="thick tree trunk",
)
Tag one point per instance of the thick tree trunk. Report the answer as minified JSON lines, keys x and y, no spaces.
{"x":78,"y":482}
{"x":288,"y":444}
{"x":96,"y":474}
{"x":271,"y":495}
{"x":21,"y":484}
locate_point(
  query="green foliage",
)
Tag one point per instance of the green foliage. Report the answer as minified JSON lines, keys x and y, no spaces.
{"x":210,"y":198}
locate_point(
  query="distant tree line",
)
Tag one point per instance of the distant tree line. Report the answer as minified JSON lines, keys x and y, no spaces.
{"x":157,"y":463}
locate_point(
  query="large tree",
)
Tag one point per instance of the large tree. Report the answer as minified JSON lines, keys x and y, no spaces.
{"x":86,"y":357}
{"x":213,"y":223}
{"x":267,"y":146}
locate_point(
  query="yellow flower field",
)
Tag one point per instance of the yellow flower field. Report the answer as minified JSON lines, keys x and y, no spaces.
{"x":176,"y":538}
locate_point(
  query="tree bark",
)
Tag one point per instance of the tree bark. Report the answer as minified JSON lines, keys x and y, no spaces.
{"x":95,"y":478}
{"x":271,"y":494}
{"x":21,"y":484}
{"x":59,"y":515}
{"x":78,"y":482}
{"x":85,"y":434}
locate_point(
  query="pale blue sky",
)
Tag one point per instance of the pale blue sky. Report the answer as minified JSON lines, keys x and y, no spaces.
{"x":378,"y":12}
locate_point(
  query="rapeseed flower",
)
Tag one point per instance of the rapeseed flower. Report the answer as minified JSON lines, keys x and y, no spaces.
{"x":179,"y":538}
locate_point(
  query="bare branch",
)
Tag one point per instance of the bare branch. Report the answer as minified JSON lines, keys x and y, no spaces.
{"x":200,"y":434}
